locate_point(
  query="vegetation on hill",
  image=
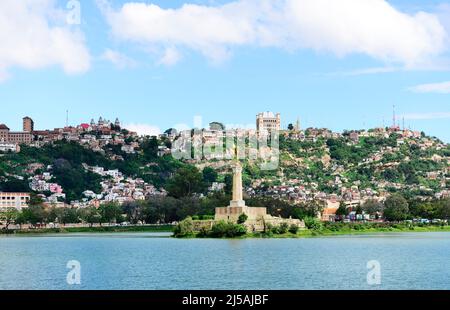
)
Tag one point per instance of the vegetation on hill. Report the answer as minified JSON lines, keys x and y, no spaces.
{"x":368,"y":162}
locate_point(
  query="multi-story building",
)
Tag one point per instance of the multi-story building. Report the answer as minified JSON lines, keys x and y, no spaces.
{"x":14,"y":200}
{"x":18,"y":137}
{"x":28,"y":124}
{"x":4,"y":132}
{"x":268,"y":121}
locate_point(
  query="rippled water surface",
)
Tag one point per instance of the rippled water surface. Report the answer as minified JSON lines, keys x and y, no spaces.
{"x":155,"y":261}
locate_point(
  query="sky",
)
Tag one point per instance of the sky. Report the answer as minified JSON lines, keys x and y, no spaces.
{"x":158,"y":64}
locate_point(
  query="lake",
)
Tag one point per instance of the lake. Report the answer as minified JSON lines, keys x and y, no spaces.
{"x":154,"y":261}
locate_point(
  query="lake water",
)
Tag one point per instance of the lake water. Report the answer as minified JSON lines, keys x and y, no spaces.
{"x":154,"y":261}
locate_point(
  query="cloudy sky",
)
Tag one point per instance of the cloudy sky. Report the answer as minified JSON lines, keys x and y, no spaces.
{"x":155,"y":64}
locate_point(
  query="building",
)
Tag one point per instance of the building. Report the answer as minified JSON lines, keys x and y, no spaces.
{"x":28,"y":124}
{"x":4,"y":132}
{"x":18,"y":137}
{"x":14,"y":200}
{"x":268,"y":121}
{"x":9,"y":147}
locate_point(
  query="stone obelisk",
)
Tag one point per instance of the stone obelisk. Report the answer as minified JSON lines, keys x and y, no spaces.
{"x":237,"y":200}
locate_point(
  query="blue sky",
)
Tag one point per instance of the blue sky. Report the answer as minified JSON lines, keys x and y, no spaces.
{"x":214,"y":60}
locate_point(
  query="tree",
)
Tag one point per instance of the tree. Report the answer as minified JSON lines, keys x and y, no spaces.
{"x":187,"y":181}
{"x":242,"y":218}
{"x":110,"y":212}
{"x":228,"y":183}
{"x":291,"y":127}
{"x":444,"y":211}
{"x":35,"y":200}
{"x":216,"y":126}
{"x":150,"y":148}
{"x":15,"y":185}
{"x":209,"y":175}
{"x":91,"y":215}
{"x":35,"y":214}
{"x":372,"y":206}
{"x":171,"y":131}
{"x":396,"y":208}
{"x":70,"y":215}
{"x":133,"y":211}
{"x":342,"y":211}
{"x":55,"y":214}
{"x":9,"y":216}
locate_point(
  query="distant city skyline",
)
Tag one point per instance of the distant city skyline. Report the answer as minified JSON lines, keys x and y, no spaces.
{"x":251,"y":58}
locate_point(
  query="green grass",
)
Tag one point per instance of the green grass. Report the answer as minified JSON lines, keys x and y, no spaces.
{"x":104,"y":229}
{"x":347,"y":231}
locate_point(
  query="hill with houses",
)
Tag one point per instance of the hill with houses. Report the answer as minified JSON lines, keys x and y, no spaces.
{"x":87,"y":166}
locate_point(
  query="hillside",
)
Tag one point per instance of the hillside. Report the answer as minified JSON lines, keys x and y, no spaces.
{"x":314,"y":164}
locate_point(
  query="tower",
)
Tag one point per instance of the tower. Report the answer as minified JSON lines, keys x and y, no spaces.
{"x":28,"y":124}
{"x":117,"y":122}
{"x":394,"y":118}
{"x":238,"y":200}
{"x":297,"y":125}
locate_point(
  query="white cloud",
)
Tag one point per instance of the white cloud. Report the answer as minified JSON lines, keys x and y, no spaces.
{"x":171,"y":57}
{"x":143,"y":129}
{"x":366,"y":71}
{"x":121,"y":61}
{"x":370,"y":27}
{"x":440,"y":88}
{"x":427,"y":116}
{"x":34,"y":35}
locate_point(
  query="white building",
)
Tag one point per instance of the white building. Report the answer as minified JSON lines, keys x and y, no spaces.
{"x":14,"y":200}
{"x":268,"y":121}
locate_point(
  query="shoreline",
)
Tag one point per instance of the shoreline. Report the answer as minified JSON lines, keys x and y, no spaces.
{"x":103,"y":229}
{"x":306,"y":233}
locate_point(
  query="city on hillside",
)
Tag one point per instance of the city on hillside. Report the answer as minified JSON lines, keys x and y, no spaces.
{"x":101,"y":162}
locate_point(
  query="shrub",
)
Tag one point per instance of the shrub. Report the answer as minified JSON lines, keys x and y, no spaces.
{"x":274,"y":230}
{"x":227,"y":229}
{"x":313,"y":223}
{"x":293,"y":229}
{"x":283,"y":228}
{"x":242,"y":218}
{"x":184,"y":229}
{"x":203,"y":232}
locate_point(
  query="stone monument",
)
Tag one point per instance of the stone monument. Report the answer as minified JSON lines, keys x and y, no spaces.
{"x":257,"y":217}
